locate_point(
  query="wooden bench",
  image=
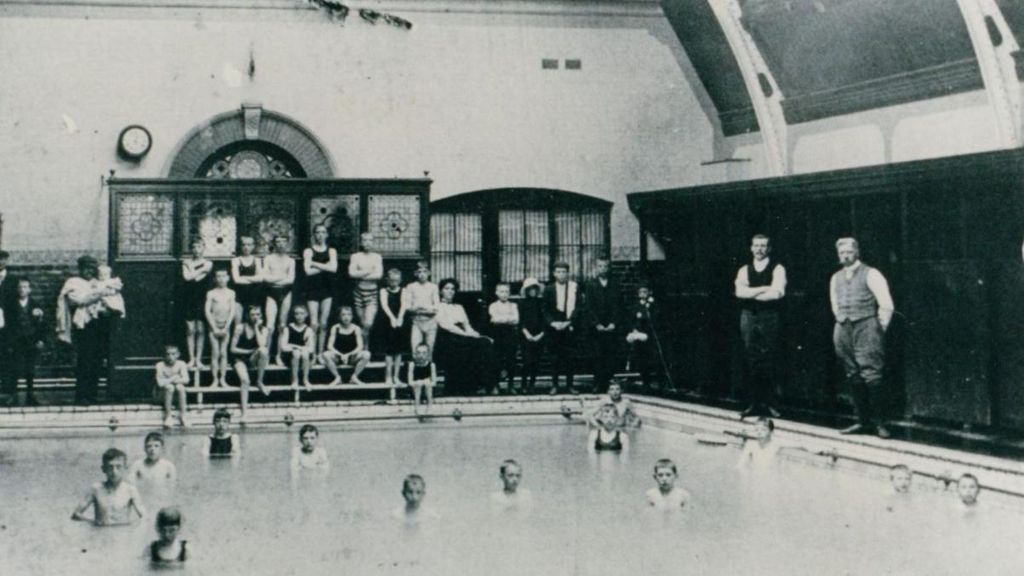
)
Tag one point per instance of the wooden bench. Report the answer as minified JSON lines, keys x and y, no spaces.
{"x":200,"y":390}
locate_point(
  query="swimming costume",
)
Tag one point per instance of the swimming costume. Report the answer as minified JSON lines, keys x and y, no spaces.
{"x":221,"y":446}
{"x":613,"y":445}
{"x":154,"y":555}
{"x":320,"y":286}
{"x":247,"y":294}
{"x":345,"y":343}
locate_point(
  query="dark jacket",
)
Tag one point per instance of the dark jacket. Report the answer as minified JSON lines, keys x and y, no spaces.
{"x":531,"y":315}
{"x":641,"y":315}
{"x":603,"y":303}
{"x":20,"y":326}
{"x":551,"y":311}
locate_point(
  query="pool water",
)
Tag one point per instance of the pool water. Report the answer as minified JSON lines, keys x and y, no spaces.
{"x":251,"y":516}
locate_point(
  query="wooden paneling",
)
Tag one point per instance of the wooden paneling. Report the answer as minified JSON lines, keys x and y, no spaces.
{"x":149,"y":298}
{"x":945,"y":233}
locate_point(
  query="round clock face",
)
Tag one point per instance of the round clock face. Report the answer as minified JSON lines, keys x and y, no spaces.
{"x":135,"y":141}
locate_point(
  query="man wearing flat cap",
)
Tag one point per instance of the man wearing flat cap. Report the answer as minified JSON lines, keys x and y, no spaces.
{"x":88,"y":332}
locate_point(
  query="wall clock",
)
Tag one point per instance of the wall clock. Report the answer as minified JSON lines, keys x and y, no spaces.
{"x":134,"y":142}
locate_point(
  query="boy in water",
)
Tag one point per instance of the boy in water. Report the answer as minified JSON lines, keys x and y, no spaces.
{"x":967,"y":488}
{"x":901,"y":477}
{"x":154,"y":467}
{"x":607,"y":434}
{"x":171,"y":379}
{"x":414,"y":490}
{"x":220,"y":312}
{"x":169,"y":549}
{"x":667,"y":496}
{"x":759,"y":449}
{"x":114,"y":501}
{"x":622,"y":405}
{"x":308,"y":455}
{"x":223,"y":443}
{"x":422,"y":375}
{"x":511,"y":497}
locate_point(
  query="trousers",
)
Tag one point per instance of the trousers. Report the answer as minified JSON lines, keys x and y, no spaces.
{"x":860,"y":347}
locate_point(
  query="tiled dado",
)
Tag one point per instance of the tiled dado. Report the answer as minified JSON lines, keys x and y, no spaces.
{"x":58,"y":257}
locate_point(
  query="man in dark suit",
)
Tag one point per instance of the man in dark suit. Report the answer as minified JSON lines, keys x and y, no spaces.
{"x":604,"y":321}
{"x":23,"y":340}
{"x":561,"y":300}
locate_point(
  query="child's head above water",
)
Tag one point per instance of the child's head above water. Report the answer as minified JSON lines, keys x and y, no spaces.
{"x":967,"y":487}
{"x":154,"y":445}
{"x":222,"y":420}
{"x":414,"y":488}
{"x":511,"y":473}
{"x":114,"y":464}
{"x":763,"y":428}
{"x":608,"y":416}
{"x":308,"y":436}
{"x":615,"y":390}
{"x":900,"y":476}
{"x":168,"y":522}
{"x":665,"y":474}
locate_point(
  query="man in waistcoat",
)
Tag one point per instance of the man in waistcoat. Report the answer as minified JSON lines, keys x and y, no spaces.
{"x":863,"y":307}
{"x":760,"y":287}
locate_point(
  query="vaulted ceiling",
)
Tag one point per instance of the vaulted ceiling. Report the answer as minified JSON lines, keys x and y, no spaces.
{"x":833,"y":57}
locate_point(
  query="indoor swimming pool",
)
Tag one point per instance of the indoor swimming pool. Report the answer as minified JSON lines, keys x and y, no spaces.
{"x":251,"y":515}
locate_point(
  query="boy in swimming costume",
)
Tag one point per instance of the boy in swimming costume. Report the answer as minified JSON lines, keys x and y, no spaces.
{"x":511,"y":496}
{"x":422,"y":374}
{"x":759,"y":450}
{"x":607,"y":435}
{"x":171,"y":379}
{"x":308,"y":455}
{"x":366,"y":267}
{"x":622,"y":405}
{"x":297,"y":344}
{"x":154,"y":468}
{"x":220,"y":312}
{"x":169,"y":549}
{"x":420,"y":300}
{"x":414,"y":490}
{"x":222,"y":443}
{"x":667,"y":496}
{"x":346,"y":347}
{"x":278,"y":278}
{"x":114,"y":501}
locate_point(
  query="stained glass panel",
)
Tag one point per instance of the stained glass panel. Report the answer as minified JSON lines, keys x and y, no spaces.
{"x":268,"y":217}
{"x":341,"y":216}
{"x":215,"y":221}
{"x":145,"y":225}
{"x":394,"y":221}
